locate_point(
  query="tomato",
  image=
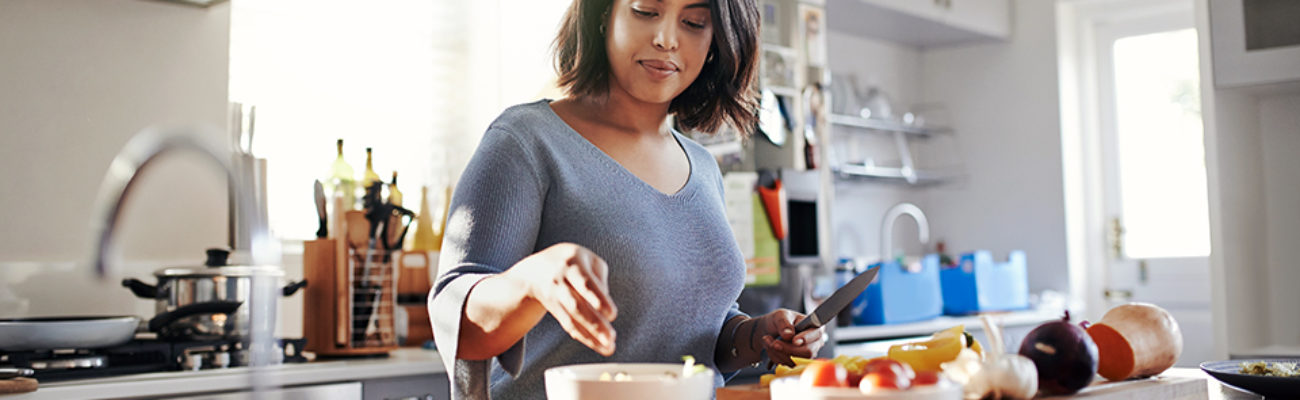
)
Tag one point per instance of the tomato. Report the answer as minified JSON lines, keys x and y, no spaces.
{"x":886,"y":374}
{"x":926,"y":378}
{"x":824,"y":374}
{"x":854,"y":378}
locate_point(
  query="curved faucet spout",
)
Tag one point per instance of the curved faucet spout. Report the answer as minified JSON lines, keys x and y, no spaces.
{"x":139,"y":153}
{"x":887,"y":227}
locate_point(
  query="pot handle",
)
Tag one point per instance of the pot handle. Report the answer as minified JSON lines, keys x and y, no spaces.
{"x":161,"y":321}
{"x":141,"y":289}
{"x":292,"y":288}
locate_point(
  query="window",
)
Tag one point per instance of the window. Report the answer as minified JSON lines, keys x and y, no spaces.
{"x":417,"y":80}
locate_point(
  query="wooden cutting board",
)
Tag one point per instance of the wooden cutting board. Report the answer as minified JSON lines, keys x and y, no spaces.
{"x":1160,"y":387}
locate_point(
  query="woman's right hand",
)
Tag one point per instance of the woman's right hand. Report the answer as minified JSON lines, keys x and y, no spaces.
{"x":571,"y":282}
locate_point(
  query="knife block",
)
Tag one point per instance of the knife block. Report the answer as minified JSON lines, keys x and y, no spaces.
{"x":349,"y":308}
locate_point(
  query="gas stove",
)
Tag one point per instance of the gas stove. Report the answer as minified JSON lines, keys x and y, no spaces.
{"x":143,"y":354}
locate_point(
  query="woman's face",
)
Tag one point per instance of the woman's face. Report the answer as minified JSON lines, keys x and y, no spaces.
{"x":657,"y":47}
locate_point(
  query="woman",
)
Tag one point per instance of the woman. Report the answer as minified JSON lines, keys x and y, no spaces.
{"x":586,"y":230}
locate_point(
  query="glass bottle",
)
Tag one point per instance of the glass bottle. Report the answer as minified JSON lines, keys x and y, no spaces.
{"x":371,"y":177}
{"x":343,"y":179}
{"x":394,"y":195}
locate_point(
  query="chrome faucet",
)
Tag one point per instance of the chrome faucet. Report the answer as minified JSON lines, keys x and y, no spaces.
{"x":887,"y":227}
{"x":140,"y":152}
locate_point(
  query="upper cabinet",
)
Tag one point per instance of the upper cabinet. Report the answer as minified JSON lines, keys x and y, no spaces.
{"x":1255,"y":42}
{"x":922,"y":23}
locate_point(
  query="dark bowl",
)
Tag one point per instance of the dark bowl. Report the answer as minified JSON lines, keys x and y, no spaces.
{"x":1229,"y":372}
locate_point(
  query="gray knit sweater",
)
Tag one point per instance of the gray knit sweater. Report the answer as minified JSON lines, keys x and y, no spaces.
{"x":675,"y":270}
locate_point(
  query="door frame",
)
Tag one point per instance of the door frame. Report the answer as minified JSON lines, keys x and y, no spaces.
{"x":1087,"y":225}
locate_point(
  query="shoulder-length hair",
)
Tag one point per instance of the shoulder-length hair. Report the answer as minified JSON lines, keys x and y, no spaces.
{"x":723,"y":94}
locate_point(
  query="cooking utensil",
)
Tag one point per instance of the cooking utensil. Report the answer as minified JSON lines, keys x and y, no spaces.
{"x":179,"y":287}
{"x":10,"y":373}
{"x":323,"y":231}
{"x":66,"y":332}
{"x":838,"y":300}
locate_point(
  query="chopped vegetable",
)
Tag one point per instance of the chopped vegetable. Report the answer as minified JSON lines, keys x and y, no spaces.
{"x":691,"y":368}
{"x":1285,"y":370}
{"x":927,"y":355}
{"x":824,"y":374}
{"x":886,"y":374}
{"x":1136,"y":340}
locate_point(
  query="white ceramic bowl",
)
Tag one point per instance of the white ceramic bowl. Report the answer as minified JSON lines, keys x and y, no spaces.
{"x":790,"y":388}
{"x":647,"y":382}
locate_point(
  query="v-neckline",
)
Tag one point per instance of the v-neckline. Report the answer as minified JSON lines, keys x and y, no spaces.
{"x":608,"y":160}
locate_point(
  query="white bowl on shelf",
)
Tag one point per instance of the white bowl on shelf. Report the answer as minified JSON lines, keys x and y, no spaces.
{"x":790,"y":388}
{"x":647,"y":381}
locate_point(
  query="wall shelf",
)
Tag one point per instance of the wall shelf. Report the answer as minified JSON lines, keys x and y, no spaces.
{"x":890,"y":174}
{"x":883,"y":125}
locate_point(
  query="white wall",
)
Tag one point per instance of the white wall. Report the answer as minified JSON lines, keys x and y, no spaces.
{"x":78,"y":78}
{"x":859,"y":206}
{"x":1001,"y":100}
{"x":1004,"y":104}
{"x":1279,"y":126}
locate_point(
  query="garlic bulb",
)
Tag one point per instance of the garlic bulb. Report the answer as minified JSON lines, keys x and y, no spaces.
{"x":1001,"y":376}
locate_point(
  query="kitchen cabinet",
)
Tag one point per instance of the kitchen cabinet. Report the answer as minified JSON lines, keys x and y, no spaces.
{"x":923,"y":23}
{"x":1255,"y":42}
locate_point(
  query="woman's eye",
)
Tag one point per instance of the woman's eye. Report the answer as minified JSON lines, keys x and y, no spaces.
{"x":694,"y":24}
{"x":644,"y":13}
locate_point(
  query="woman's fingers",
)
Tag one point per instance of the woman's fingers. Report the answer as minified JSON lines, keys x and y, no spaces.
{"x":583,"y":322}
{"x":808,"y":337}
{"x":590,"y":283}
{"x":778,"y":351}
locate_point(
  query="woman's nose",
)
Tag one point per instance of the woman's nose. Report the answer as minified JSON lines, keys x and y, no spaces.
{"x":666,"y":36}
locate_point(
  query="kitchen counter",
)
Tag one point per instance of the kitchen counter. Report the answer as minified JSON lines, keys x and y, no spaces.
{"x":401,"y":363}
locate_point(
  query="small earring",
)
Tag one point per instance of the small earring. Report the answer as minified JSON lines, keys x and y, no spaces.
{"x":710,"y":59}
{"x":603,"y":18}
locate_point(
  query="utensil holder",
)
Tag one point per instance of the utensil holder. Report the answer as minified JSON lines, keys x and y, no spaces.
{"x":351,"y":313}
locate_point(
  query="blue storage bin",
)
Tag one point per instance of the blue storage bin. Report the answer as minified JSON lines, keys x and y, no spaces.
{"x":898,"y":295}
{"x":978,"y":284}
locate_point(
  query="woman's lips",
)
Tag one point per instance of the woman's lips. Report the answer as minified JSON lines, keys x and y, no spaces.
{"x":659,"y":70}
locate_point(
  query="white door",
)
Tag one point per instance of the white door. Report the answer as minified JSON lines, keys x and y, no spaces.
{"x":1153,"y":156}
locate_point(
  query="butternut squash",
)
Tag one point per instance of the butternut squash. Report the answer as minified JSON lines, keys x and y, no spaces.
{"x":1136,"y":340}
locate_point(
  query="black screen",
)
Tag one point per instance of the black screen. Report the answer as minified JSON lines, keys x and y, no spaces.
{"x":802,"y":237}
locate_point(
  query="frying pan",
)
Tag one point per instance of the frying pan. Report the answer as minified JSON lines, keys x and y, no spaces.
{"x":65,"y":332}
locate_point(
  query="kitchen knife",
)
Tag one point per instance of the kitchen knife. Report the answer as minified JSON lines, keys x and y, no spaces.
{"x":321,"y":232}
{"x":838,"y":300}
{"x":10,"y":373}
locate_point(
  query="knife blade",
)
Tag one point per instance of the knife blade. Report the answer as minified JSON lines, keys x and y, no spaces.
{"x":838,"y":300}
{"x":319,"y":189}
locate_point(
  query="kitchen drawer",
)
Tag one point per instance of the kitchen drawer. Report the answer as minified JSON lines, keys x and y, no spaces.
{"x":417,"y":387}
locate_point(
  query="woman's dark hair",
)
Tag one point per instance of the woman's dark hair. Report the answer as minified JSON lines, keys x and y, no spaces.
{"x":724,"y":93}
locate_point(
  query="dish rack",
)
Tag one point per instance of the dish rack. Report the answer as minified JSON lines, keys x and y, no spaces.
{"x":349,"y":308}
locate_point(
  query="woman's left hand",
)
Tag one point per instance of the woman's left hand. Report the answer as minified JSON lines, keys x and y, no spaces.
{"x":782,"y":342}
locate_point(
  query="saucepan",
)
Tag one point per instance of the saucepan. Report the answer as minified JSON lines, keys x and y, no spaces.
{"x":205,"y":302}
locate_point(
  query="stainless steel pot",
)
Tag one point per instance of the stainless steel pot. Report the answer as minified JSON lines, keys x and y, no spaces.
{"x":207,"y":302}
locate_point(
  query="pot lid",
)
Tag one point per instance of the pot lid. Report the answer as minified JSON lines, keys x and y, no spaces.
{"x":216,"y":266}
{"x":229,"y":270}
